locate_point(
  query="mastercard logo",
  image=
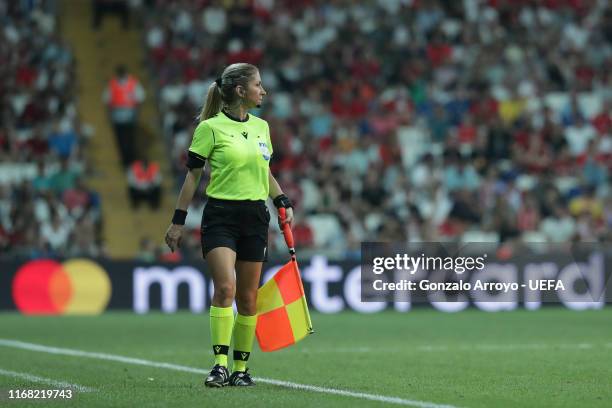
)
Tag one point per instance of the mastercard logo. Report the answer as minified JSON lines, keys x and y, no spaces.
{"x":77,"y":286}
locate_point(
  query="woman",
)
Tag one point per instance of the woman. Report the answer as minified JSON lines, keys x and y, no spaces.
{"x":235,"y":221}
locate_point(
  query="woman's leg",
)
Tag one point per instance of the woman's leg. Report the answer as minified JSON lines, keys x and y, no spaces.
{"x":221,"y":261}
{"x":247,"y":282}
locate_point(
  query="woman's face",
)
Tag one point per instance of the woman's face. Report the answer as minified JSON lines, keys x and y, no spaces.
{"x":254,"y":93}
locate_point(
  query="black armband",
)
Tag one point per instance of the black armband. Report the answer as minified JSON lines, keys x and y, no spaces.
{"x":282,"y":201}
{"x":195,"y":161}
{"x":179,"y":217}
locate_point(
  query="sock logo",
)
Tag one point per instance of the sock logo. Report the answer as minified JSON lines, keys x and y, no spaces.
{"x":220,"y":349}
{"x":241,"y":355}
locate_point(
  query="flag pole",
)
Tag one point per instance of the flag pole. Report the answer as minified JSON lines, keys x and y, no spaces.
{"x":288,"y":234}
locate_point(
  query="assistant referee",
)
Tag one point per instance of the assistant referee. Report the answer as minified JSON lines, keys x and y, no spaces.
{"x":235,"y":222}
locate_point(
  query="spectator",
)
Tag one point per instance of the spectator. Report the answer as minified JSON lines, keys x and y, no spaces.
{"x":579,"y":136}
{"x":56,"y":232}
{"x":528,"y":216}
{"x":42,"y":182}
{"x":103,"y":7}
{"x":460,"y":174}
{"x":77,"y":198}
{"x":147,"y":252}
{"x":144,"y":182}
{"x":560,"y":226}
{"x":64,"y":178}
{"x":123,"y":96}
{"x":587,"y":204}
{"x":83,"y":237}
{"x":63,"y":139}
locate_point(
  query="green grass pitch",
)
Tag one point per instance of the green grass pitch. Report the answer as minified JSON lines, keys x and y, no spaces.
{"x":548,"y":358}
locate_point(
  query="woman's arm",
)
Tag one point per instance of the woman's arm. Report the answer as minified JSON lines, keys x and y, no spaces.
{"x":175,"y":231}
{"x":188,"y":190}
{"x":275,"y":191}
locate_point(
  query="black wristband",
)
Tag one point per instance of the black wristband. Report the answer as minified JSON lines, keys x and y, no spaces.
{"x":179,"y":217}
{"x":282,"y":201}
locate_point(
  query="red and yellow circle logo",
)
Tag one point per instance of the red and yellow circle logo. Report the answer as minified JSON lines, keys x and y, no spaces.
{"x":77,"y":286}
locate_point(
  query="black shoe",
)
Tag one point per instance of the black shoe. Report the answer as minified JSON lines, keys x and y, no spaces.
{"x":241,"y":379}
{"x":218,"y":377}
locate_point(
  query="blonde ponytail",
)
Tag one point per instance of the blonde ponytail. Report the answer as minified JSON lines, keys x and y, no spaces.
{"x":222,"y":91}
{"x":213,"y":103}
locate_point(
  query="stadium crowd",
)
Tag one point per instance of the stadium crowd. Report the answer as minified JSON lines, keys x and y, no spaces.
{"x":45,"y":208}
{"x":474,"y":120}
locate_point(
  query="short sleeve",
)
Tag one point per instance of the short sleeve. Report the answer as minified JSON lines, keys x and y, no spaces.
{"x":269,"y":139}
{"x":203,"y":140}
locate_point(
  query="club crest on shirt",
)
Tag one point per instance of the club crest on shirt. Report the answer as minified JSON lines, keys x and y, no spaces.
{"x":264,"y":150}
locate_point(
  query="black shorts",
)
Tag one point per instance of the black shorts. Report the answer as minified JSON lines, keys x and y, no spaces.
{"x":239,"y":225}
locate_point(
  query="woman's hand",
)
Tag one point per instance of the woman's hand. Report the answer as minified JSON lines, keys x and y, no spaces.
{"x":174,"y":236}
{"x":288,"y":218}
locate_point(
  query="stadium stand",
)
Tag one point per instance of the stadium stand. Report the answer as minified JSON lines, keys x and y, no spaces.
{"x":46,"y":208}
{"x":473,"y":120}
{"x":411,"y":120}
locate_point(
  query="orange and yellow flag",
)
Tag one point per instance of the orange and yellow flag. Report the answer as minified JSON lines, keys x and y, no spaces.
{"x":283,"y":318}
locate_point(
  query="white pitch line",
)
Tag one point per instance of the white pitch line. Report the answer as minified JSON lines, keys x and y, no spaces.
{"x":137,"y":361}
{"x":458,"y":347}
{"x":43,"y":380}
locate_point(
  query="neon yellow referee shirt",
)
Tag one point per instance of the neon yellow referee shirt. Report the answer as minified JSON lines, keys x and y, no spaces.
{"x":239,"y":155}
